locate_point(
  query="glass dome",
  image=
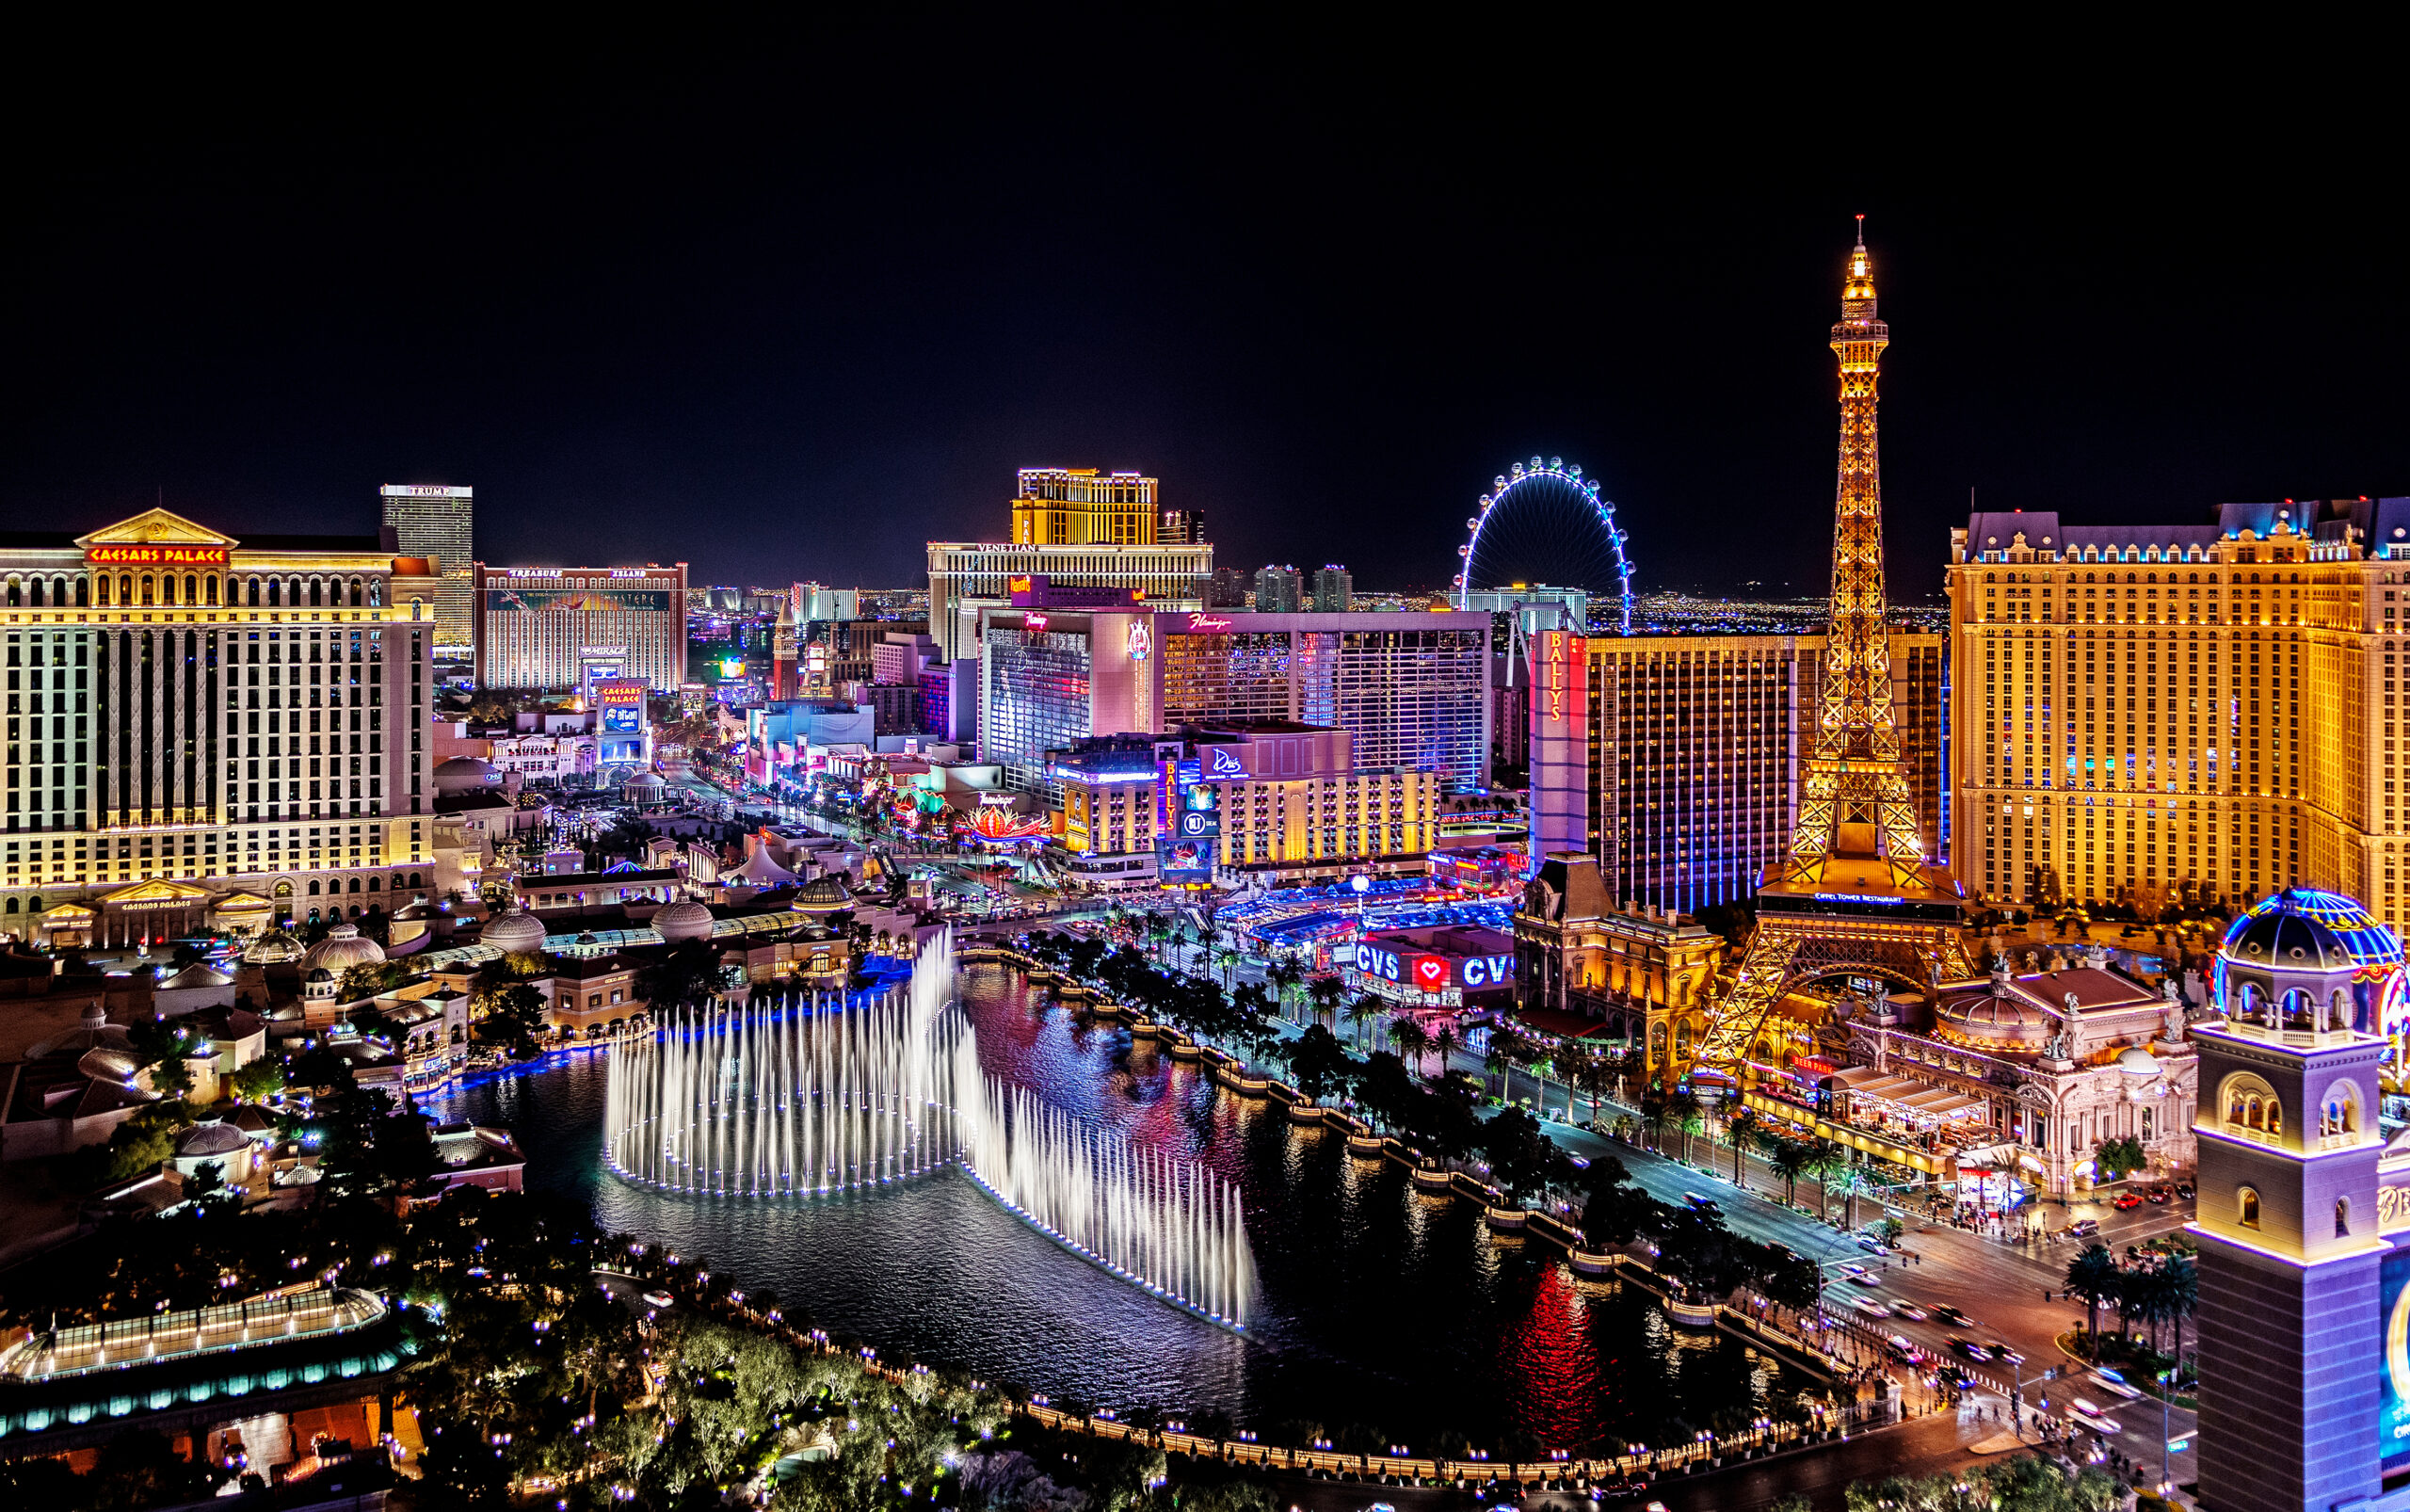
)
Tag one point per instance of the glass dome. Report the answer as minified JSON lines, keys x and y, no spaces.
{"x":2337,"y":923}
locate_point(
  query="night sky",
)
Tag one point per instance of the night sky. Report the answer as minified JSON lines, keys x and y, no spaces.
{"x":790,"y":305}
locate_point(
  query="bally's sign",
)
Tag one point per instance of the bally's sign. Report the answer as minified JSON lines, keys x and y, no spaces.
{"x":1431,"y":973}
{"x":168,"y":555}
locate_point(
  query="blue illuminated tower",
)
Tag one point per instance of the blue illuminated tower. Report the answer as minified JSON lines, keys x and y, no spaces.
{"x":2289,"y":1322}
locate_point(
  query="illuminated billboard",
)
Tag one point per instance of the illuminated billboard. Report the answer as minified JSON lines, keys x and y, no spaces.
{"x":621,"y":718}
{"x":1185,"y":856}
{"x":156,"y":556}
{"x":591,"y":600}
{"x":2393,"y":1406}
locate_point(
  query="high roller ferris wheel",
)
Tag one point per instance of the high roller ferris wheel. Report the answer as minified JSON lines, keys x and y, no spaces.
{"x":1542,"y":523}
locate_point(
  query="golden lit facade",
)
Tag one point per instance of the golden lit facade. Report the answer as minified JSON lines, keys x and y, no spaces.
{"x":1334,"y":816}
{"x":2161,"y":716}
{"x":1084,"y":506}
{"x":196,"y":720}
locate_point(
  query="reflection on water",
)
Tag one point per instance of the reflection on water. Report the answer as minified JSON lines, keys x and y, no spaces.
{"x":1379,"y":1306}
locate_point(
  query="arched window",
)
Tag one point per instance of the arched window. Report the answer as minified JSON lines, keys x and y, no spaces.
{"x":254,"y":594}
{"x":355,"y":593}
{"x":354,"y":911}
{"x":2252,"y":1109}
{"x":355,"y":885}
{"x":2338,"y":1010}
{"x":125,"y":590}
{"x":2338,"y":1111}
{"x":2246,"y":1207}
{"x":212,"y":593}
{"x":2300,"y":1010}
{"x":192,"y":589}
{"x":12,"y":905}
{"x":2342,"y":1217}
{"x":314,"y":593}
{"x":275,"y":592}
{"x":375,"y":884}
{"x":313,"y":887}
{"x":84,"y":592}
{"x":148,"y":591}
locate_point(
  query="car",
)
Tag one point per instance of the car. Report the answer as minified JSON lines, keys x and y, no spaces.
{"x":2004,"y":1353}
{"x":2184,"y":1190}
{"x":1968,"y":1347}
{"x":2092,"y":1417}
{"x":1908,"y":1310}
{"x":1693,"y":1200}
{"x":1860,"y":1275}
{"x":1951,"y":1315}
{"x":658,"y":1299}
{"x":1902,"y":1348}
{"x":2110,"y":1382}
{"x":2127,"y":1201}
{"x":1873,"y":1246}
{"x":1870,"y":1307}
{"x":2083,"y":1228}
{"x":2160,"y":1194}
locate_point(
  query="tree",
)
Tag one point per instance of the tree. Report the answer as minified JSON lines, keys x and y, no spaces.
{"x":1317,"y":1063}
{"x":1616,"y":1211}
{"x":1790,"y":1161}
{"x":1412,"y":1040}
{"x":2116,"y":1159}
{"x":2093,"y":1276}
{"x":2181,"y":1279}
{"x":360,"y":981}
{"x":515,"y":1014}
{"x":259,"y":1081}
{"x":1444,"y":1045}
{"x":1742,"y":1128}
{"x":1325,"y":992}
{"x":1283,"y":975}
{"x":161,"y":1048}
{"x":685,"y":971}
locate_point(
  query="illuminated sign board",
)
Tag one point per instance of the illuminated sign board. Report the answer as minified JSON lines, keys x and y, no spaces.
{"x":2393,"y":1405}
{"x":619,"y":693}
{"x":732,"y":667}
{"x":1140,"y":640}
{"x":1433,"y":974}
{"x":1221,"y":762}
{"x":424,"y":490}
{"x":1199,"y":623}
{"x":167,"y":556}
{"x":620,"y":719}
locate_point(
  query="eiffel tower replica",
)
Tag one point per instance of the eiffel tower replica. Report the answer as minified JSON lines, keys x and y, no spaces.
{"x":1852,"y":895}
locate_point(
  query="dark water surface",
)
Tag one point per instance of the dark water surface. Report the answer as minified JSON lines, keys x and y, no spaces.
{"x":1378,"y":1306}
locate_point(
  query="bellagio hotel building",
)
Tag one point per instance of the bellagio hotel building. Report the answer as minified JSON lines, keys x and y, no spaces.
{"x":2165,"y":715}
{"x":206,"y":731}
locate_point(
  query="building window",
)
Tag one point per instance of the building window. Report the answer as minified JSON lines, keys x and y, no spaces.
{"x":2246,"y":1204}
{"x":2342,"y":1217}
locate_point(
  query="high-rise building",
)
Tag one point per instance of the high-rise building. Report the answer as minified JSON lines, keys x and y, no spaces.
{"x":1228,"y":589}
{"x":1279,"y":591}
{"x":1412,"y":689}
{"x":967,"y":577}
{"x":1681,"y":776}
{"x":816,"y":603}
{"x":554,"y":627}
{"x":783,"y":680}
{"x":438,"y":520}
{"x":1181,"y":527}
{"x":1289,"y":794}
{"x":2163,"y":714}
{"x":197,"y":720}
{"x":1084,"y":506}
{"x":1334,"y":589}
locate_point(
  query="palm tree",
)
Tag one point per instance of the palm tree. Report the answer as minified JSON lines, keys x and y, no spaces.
{"x":1742,"y":1128}
{"x":1283,"y":975}
{"x":1824,"y":1158}
{"x":2181,"y":1279}
{"x":1791,"y":1160}
{"x":1412,"y":1040}
{"x":1499,"y":1060}
{"x":1444,"y":1044}
{"x":1682,"y":1106}
{"x":2093,"y":1276}
{"x":1227,"y":959}
{"x":1325,"y":992}
{"x":1363,"y":1009}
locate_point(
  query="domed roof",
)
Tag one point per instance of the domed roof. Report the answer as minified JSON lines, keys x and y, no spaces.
{"x":2305,"y":929}
{"x":272,"y":947}
{"x":319,"y":974}
{"x":822,"y":895}
{"x":345,"y":946}
{"x":465,"y":774}
{"x":645,"y":780}
{"x":93,"y":1031}
{"x":210,"y":1138}
{"x":2136,"y":1061}
{"x":682,"y":920}
{"x":1996,"y":1018}
{"x":103,"y":1063}
{"x":516,"y":933}
{"x":586,"y":937}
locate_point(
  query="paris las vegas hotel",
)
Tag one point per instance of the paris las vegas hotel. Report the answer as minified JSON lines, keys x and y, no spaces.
{"x":206,"y":730}
{"x":2171,"y":714}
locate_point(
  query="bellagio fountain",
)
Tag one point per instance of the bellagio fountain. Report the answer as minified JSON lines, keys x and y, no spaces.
{"x":797,"y":1095}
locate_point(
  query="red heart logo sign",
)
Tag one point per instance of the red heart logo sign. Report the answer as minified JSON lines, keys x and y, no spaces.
{"x":1432,"y":972}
